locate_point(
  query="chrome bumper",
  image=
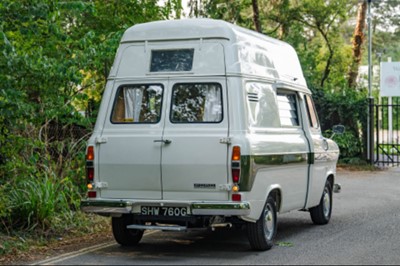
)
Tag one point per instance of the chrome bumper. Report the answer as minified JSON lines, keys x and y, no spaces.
{"x":109,"y":207}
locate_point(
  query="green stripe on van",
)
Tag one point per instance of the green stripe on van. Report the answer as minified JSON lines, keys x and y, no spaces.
{"x":250,"y":164}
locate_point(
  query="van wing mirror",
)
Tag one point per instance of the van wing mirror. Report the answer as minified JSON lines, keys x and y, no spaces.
{"x":337,"y":129}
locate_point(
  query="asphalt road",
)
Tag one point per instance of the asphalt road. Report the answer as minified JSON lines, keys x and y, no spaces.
{"x":364,"y":229}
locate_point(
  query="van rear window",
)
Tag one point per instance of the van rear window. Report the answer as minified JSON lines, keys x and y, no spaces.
{"x":196,"y":103}
{"x":137,"y":104}
{"x":171,"y":60}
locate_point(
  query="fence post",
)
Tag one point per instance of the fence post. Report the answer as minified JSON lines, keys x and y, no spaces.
{"x":371,"y":130}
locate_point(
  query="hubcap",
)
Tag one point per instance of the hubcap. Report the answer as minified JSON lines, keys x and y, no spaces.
{"x":268,"y":222}
{"x":326,"y":203}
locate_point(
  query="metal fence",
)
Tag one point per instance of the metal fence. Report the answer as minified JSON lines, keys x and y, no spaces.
{"x":387,"y":133}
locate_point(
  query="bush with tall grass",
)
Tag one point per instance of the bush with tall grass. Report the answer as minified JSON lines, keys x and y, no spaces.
{"x":43,"y":182}
{"x":35,"y":202}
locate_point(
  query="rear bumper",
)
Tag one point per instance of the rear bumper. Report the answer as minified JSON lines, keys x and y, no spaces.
{"x":116,"y":207}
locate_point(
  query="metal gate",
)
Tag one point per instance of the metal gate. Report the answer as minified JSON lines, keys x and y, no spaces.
{"x":387,"y":133}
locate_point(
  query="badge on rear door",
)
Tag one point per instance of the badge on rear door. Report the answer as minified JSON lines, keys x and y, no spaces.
{"x":204,"y":186}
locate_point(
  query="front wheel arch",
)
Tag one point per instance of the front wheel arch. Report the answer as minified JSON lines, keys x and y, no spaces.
{"x":277,"y":196}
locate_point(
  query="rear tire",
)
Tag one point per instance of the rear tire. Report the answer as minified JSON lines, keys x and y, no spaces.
{"x":321,"y":214}
{"x":261,"y":234}
{"x":124,"y":236}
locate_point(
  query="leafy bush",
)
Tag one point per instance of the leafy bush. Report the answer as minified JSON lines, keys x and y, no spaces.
{"x":37,"y":201}
{"x":42,"y":184}
{"x":347,"y":107}
{"x":349,"y":145}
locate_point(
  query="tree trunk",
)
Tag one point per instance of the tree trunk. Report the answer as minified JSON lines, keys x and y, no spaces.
{"x":195,"y":8}
{"x":256,"y":16}
{"x":329,"y":61}
{"x":358,"y":40}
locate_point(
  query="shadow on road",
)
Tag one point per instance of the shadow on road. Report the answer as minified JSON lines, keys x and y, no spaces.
{"x":222,"y":243}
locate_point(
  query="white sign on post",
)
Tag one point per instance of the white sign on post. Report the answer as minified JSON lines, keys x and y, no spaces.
{"x":390,"y":79}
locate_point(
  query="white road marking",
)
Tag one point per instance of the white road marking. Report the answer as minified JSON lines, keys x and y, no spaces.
{"x":82,"y":251}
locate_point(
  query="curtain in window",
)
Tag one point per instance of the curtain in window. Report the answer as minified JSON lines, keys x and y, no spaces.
{"x":133,"y":103}
{"x":212,"y":105}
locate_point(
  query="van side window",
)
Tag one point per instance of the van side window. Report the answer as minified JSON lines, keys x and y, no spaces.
{"x":312,"y":114}
{"x":261,"y":102}
{"x":288,"y":110}
{"x":137,"y":104}
{"x":196,"y":103}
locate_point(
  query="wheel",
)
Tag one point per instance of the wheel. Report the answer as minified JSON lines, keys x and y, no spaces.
{"x":321,"y":214}
{"x":261,"y":234}
{"x":124,"y":236}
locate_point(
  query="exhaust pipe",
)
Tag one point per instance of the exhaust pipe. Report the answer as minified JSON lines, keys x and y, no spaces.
{"x":220,"y":225}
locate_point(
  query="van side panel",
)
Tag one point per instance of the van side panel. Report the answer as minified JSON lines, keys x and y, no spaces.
{"x":272,"y":155}
{"x":279,"y":157}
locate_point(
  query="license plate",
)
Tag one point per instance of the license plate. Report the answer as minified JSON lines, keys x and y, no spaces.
{"x":163,"y":211}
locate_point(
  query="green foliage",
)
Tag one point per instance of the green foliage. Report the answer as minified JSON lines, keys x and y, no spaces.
{"x":349,"y":144}
{"x":228,"y":10}
{"x":54,"y":63}
{"x":346,"y":107}
{"x":36,"y":201}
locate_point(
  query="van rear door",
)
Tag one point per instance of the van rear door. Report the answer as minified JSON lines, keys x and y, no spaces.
{"x":129,"y":147}
{"x":194,"y":161}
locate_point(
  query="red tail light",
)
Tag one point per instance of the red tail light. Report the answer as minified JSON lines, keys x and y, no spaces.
{"x":235,"y":175}
{"x":236,"y":197}
{"x":90,"y":153}
{"x":89,"y":164}
{"x":235,"y":164}
{"x":90,"y":174}
{"x":90,"y":171}
{"x":235,"y":170}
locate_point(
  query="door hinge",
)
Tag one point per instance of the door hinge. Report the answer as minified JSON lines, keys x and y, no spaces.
{"x":225,"y":187}
{"x":100,"y":140}
{"x":225,"y":141}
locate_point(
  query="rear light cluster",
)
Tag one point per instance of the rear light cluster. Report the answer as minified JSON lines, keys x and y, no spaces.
{"x":235,"y":168}
{"x":90,"y":171}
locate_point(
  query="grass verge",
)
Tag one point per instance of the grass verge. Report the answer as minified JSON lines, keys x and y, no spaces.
{"x":20,"y":246}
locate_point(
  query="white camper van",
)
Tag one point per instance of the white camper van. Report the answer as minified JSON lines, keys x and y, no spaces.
{"x":204,"y":124}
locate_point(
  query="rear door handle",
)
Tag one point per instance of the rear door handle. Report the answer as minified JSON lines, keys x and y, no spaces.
{"x":165,"y":141}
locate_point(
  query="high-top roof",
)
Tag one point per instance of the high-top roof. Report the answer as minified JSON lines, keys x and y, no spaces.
{"x":185,"y":29}
{"x":246,"y":51}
